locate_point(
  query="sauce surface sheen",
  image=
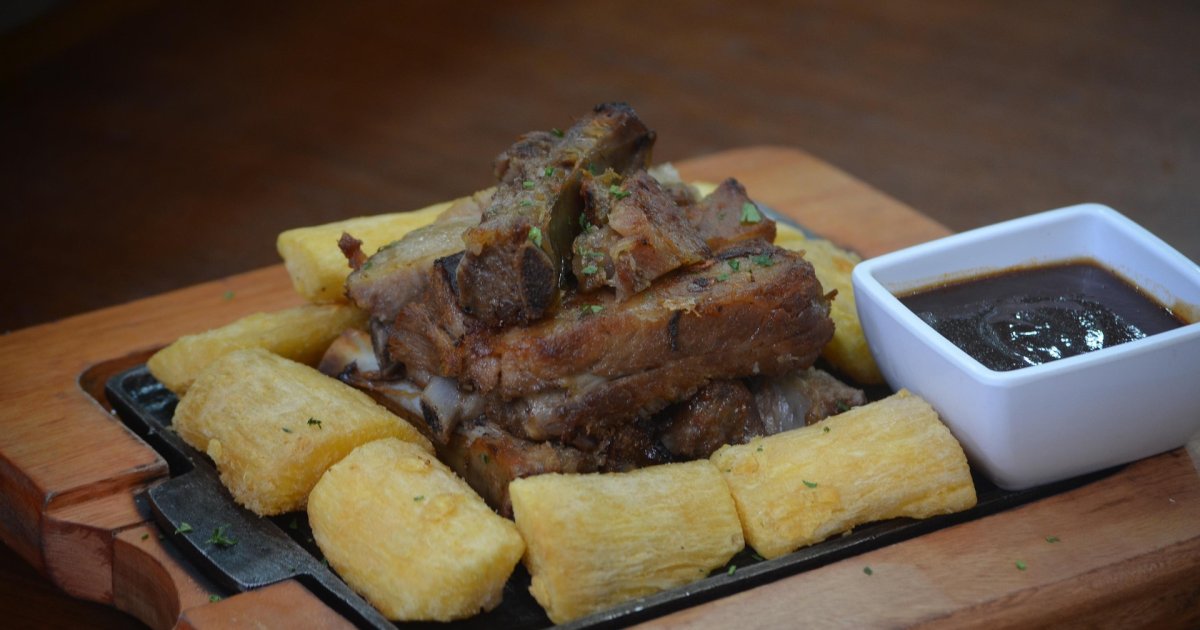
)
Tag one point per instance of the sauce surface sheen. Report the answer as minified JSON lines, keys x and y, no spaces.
{"x":1033,"y":315}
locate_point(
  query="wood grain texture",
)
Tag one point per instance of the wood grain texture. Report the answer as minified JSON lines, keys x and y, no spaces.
{"x":152,"y":581}
{"x":77,"y":511}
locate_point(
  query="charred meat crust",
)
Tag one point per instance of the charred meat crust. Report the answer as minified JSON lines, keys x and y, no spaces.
{"x":538,"y":211}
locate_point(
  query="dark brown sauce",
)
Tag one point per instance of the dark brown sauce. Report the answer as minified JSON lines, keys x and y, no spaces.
{"x":1033,"y":315}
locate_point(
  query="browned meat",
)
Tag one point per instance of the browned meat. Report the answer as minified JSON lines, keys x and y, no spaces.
{"x":514,"y":257}
{"x":796,"y":399}
{"x":728,"y":216}
{"x":722,"y":412}
{"x":636,"y":233}
{"x":517,"y":162}
{"x":755,"y":309}
{"x":488,"y":459}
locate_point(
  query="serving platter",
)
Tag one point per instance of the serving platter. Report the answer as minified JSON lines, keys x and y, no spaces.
{"x":71,"y":474}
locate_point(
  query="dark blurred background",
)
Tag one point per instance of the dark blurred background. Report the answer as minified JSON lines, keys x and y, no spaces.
{"x":149,"y":145}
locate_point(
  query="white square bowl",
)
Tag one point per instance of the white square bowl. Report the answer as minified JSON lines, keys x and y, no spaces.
{"x":1039,"y":424}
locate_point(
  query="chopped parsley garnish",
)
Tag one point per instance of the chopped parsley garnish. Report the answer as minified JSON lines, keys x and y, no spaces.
{"x":556,"y":132}
{"x":286,"y":430}
{"x":419,"y":497}
{"x":484,"y":457}
{"x":722,"y":277}
{"x":214,"y":598}
{"x":589,"y":270}
{"x":584,"y":224}
{"x":183,"y":528}
{"x":220,"y":539}
{"x":759,"y":449}
{"x":1052,"y":539}
{"x":825,"y":429}
{"x":535,"y":235}
{"x":868,"y":571}
{"x":841,"y":406}
{"x":735,"y":264}
{"x":315,"y":422}
{"x":549,"y":171}
{"x":750,"y":213}
{"x":1021,"y":566}
{"x":591,"y":309}
{"x":763,"y":260}
{"x":228,"y":295}
{"x":526,"y":203}
{"x":732,"y":568}
{"x":757,"y":558}
{"x":617,"y":193}
{"x":810,"y":484}
{"x":527,"y":184}
{"x":145,"y":536}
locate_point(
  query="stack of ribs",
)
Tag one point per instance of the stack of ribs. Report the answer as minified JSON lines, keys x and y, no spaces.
{"x":585,"y":315}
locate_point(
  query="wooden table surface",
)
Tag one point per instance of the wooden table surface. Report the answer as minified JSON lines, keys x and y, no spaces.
{"x":148,"y":146}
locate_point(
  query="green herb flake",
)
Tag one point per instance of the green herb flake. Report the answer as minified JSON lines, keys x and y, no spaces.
{"x":214,"y":598}
{"x":228,"y":295}
{"x":591,"y":309}
{"x":732,"y":568}
{"x":315,"y":422}
{"x":556,"y":132}
{"x":617,"y":193}
{"x":735,"y":264}
{"x":842,"y":407}
{"x":419,"y":497}
{"x":757,"y":558}
{"x":286,"y":430}
{"x":590,"y":270}
{"x":722,"y":277}
{"x":484,"y":457}
{"x":584,"y":224}
{"x":825,"y":429}
{"x":526,"y":203}
{"x":1052,"y":539}
{"x":183,"y":528}
{"x":759,"y":449}
{"x":549,"y":171}
{"x":750,"y":213}
{"x":810,"y":484}
{"x":220,"y":538}
{"x":868,"y":571}
{"x":528,"y":184}
{"x":535,"y":235}
{"x":145,"y":536}
{"x":1021,"y":566}
{"x":763,"y":260}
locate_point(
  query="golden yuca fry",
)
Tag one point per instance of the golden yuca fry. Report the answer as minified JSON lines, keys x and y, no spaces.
{"x":273,"y":426}
{"x":411,"y":536}
{"x":884,"y":460}
{"x":597,"y":540}
{"x":319,"y":269}
{"x":848,"y":351}
{"x":301,"y":334}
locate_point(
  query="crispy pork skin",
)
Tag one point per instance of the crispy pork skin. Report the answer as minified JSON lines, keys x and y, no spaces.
{"x":514,"y":257}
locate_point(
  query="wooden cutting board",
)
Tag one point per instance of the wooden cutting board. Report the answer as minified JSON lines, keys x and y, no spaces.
{"x":1127,"y":547}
